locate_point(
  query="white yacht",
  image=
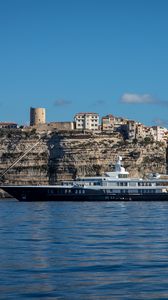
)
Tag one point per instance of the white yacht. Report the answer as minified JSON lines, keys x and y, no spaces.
{"x":112,"y":186}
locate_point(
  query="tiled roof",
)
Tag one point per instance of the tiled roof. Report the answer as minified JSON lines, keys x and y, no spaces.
{"x":86,"y":113}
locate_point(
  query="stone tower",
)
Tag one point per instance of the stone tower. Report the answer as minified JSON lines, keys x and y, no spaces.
{"x":37,"y":116}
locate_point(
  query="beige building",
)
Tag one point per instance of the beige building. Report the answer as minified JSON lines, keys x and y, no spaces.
{"x":37,"y":116}
{"x":8,"y":125}
{"x":107,"y":122}
{"x":140,"y":131}
{"x":149,"y":132}
{"x":113,"y":123}
{"x":87,"y":120}
{"x":119,"y":122}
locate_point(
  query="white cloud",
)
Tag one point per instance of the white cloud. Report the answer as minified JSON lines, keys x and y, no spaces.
{"x":137,"y":98}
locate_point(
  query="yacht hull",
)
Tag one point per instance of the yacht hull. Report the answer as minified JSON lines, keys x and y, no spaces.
{"x":51,"y":193}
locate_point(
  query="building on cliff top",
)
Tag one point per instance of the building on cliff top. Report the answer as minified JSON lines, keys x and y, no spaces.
{"x":86,"y":120}
{"x":8,"y":125}
{"x":107,"y":122}
{"x":160,"y":133}
{"x":54,"y":126}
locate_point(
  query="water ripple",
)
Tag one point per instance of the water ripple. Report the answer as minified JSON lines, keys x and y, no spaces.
{"x":72,"y":251}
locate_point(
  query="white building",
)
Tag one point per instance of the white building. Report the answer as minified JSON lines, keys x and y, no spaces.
{"x":160,"y":133}
{"x":87,"y":120}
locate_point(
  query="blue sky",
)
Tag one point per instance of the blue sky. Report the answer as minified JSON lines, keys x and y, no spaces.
{"x":105,"y":56}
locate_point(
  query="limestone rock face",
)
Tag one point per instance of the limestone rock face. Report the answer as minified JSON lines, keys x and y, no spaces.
{"x":67,"y":155}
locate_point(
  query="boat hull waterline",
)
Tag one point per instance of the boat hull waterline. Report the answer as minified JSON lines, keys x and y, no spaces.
{"x":36,"y":193}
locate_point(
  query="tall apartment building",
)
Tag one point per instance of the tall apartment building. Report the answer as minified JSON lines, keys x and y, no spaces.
{"x":37,"y":116}
{"x":87,"y":120}
{"x":159,"y":133}
{"x":131,"y":129}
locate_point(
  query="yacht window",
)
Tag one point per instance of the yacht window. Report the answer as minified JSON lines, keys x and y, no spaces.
{"x":112,"y":183}
{"x":123,"y":183}
{"x":133,"y":183}
{"x":122,"y":176}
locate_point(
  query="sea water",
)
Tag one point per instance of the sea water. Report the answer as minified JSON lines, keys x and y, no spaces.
{"x":83,"y":250}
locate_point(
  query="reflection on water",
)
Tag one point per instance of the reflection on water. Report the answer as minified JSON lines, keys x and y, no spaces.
{"x":83,"y":250}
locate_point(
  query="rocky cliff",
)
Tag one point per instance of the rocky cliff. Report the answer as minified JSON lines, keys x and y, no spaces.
{"x":66,"y":155}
